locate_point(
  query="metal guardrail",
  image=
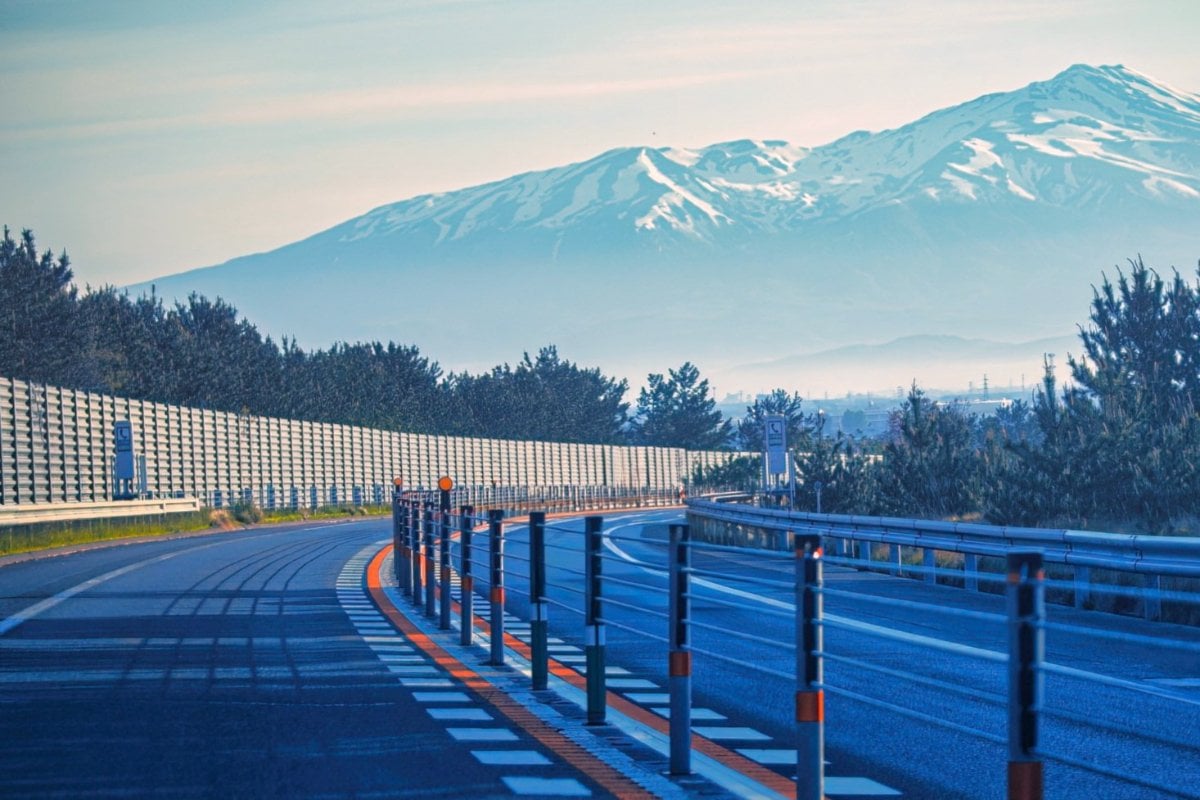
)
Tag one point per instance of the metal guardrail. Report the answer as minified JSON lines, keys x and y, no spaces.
{"x":70,"y":512}
{"x":1145,"y":554}
{"x":422,"y":531}
{"x":1151,"y":557}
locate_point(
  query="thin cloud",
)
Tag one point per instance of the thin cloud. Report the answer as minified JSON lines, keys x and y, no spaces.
{"x":382,"y":101}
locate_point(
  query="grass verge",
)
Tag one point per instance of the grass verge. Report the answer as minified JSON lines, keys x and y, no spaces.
{"x":16,"y":539}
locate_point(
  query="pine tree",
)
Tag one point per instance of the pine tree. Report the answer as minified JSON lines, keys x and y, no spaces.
{"x":679,"y":411}
{"x":751,"y":427}
{"x":41,"y":338}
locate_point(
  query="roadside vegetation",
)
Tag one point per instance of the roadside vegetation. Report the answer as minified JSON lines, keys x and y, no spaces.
{"x":16,"y":539}
{"x":1117,"y":447}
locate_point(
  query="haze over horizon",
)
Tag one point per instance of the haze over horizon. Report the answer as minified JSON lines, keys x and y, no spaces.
{"x":163,"y":138}
{"x":188,"y":135}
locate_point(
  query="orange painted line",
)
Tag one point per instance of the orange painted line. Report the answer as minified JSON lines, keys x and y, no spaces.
{"x":608,"y":778}
{"x":728,"y":758}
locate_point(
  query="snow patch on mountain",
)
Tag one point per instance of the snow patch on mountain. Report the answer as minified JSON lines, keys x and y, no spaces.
{"x":1022,"y":146}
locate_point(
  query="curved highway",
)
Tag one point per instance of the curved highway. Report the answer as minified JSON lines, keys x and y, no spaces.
{"x":264,"y":664}
{"x":253,"y":665}
{"x":916,"y":695}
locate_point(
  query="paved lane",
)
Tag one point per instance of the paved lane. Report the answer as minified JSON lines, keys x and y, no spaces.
{"x":242,"y":665}
{"x":895,"y":732}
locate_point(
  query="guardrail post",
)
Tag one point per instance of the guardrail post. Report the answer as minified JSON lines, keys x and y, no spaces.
{"x":679,"y":657}
{"x":810,"y":696}
{"x":594,"y":626}
{"x":1026,"y":649}
{"x":864,"y":552}
{"x":971,"y":572}
{"x":929,"y":562}
{"x":444,"y":559}
{"x":1152,"y":598}
{"x":414,"y":549}
{"x":466,"y":601}
{"x":1082,"y":578}
{"x":430,"y":564}
{"x":896,"y":556}
{"x":496,"y":583}
{"x":539,"y":609}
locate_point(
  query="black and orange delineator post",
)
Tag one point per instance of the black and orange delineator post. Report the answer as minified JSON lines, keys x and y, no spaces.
{"x":430,"y":563}
{"x":539,"y":625}
{"x":496,"y":583}
{"x":1026,"y":650}
{"x":679,"y":656}
{"x":593,"y":621}
{"x":467,"y":581}
{"x":414,"y":549}
{"x":810,"y":696}
{"x":398,"y":557}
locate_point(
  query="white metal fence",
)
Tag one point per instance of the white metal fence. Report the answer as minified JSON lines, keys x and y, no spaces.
{"x":56,"y":445}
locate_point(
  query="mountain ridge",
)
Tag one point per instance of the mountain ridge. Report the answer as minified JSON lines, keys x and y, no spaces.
{"x":990,"y":218}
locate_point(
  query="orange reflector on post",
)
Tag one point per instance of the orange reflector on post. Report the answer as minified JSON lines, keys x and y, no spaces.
{"x":468,"y":583}
{"x":445,"y":483}
{"x":810,"y":706}
{"x":1025,"y":780}
{"x":679,"y":664}
{"x":498,"y":594}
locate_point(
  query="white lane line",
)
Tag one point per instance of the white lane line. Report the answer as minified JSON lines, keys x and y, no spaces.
{"x":631,"y":683}
{"x":460,"y":714}
{"x":511,"y":758}
{"x":648,"y":698}
{"x":482,"y":734}
{"x":427,"y":683}
{"x":698,"y":714}
{"x":441,"y":697}
{"x":26,"y":614}
{"x":722,"y":733}
{"x":774,"y":757}
{"x":400,"y":669}
{"x":546,"y":787}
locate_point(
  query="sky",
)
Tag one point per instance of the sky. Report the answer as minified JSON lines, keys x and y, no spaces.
{"x":147,"y":138}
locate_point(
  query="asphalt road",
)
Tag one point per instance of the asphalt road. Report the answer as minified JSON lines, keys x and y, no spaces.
{"x":253,"y":664}
{"x":239,"y":665}
{"x":926,"y":721}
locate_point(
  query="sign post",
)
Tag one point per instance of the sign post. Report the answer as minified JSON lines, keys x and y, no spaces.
{"x":123,"y":466}
{"x":775,"y":456}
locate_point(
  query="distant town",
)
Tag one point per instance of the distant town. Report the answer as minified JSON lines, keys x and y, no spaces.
{"x":866,"y":414}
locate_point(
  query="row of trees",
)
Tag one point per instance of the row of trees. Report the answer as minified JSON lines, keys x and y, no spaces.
{"x":1120,"y":443}
{"x":1119,"y":446}
{"x":201,"y":353}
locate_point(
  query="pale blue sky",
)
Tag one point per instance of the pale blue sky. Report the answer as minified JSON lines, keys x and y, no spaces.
{"x":148,"y":137}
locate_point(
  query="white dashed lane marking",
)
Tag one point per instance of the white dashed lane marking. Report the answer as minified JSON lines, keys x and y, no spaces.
{"x":461,"y":714}
{"x":550,"y":787}
{"x":482,"y":734}
{"x":511,"y":758}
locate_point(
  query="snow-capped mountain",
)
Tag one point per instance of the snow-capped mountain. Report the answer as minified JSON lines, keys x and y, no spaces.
{"x":991,"y":218}
{"x":1066,"y":142}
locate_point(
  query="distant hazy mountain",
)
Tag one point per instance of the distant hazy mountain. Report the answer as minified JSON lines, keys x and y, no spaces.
{"x":937,"y":362}
{"x":989,"y":219}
